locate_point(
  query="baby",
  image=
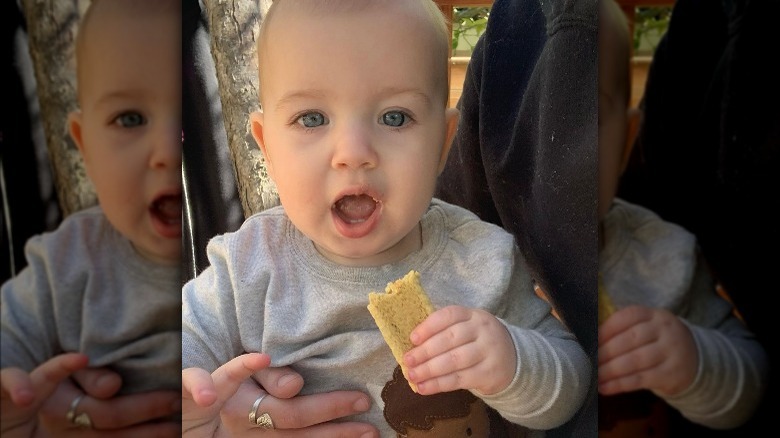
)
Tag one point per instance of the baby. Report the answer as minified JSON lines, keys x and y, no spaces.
{"x":672,"y":333}
{"x":106,"y":282}
{"x":355,"y":129}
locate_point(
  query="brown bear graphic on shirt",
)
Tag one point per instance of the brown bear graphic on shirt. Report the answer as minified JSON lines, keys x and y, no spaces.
{"x":452,"y":414}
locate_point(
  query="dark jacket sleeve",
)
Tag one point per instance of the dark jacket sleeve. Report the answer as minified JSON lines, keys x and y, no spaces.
{"x":525,"y":153}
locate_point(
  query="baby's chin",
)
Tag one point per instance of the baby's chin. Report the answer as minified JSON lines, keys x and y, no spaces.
{"x":344,"y":257}
{"x":167,"y":254}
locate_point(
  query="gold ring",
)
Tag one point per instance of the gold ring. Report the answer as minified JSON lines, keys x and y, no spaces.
{"x":263,"y":420}
{"x":81,"y":420}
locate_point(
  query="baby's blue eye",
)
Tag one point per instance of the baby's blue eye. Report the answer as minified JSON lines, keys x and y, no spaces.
{"x":312,"y":120}
{"x":130,"y":119}
{"x":394,"y":118}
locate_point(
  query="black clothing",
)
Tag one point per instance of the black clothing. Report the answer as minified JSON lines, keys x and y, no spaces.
{"x":707,"y":156}
{"x":525,"y":155}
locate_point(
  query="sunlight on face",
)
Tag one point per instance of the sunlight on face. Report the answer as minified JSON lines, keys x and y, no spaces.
{"x":355,"y":128}
{"x":129,"y":126}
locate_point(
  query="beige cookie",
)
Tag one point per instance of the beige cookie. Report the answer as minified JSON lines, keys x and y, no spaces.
{"x":398,"y":311}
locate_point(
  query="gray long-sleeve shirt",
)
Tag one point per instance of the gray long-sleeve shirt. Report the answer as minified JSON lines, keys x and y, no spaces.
{"x":85,"y":289}
{"x":267,"y":289}
{"x":648,"y":261}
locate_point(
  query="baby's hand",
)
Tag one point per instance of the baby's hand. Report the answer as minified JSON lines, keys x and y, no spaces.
{"x":23,"y":394}
{"x":204,"y":394}
{"x":461,"y":348}
{"x":646,"y":348}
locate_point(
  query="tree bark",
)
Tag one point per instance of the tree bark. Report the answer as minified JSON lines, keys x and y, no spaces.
{"x":233,"y":27}
{"x":52,"y":27}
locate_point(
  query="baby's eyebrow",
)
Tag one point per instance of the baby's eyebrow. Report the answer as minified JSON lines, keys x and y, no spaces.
{"x":384,"y":93}
{"x":118,"y":95}
{"x":300,"y":94}
{"x":414,"y":92}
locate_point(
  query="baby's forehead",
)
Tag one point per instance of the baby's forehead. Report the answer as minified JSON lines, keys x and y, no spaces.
{"x":424,"y":12}
{"x":102,"y":13}
{"x":122,"y":21}
{"x":101,"y":20}
{"x":421,"y":20}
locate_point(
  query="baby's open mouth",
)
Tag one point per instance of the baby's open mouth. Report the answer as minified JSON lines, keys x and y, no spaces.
{"x":167,"y":209}
{"x":355,"y":209}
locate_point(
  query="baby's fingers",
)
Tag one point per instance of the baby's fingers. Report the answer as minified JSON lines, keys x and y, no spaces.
{"x":229,"y":376}
{"x":632,"y":338}
{"x":24,"y":389}
{"x":48,"y":376}
{"x":205,"y":389}
{"x":17,"y":386}
{"x":441,"y":343}
{"x":446,"y":383}
{"x":197,"y":385}
{"x":622,"y":320}
{"x":653,"y":379}
{"x":439,"y":321}
{"x":457,"y":364}
{"x":629,"y":372}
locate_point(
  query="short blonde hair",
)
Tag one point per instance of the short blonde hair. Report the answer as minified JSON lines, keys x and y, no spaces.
{"x":435,"y":16}
{"x":134,"y":8}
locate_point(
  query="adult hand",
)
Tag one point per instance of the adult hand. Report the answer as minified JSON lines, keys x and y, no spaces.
{"x":646,"y":348}
{"x":144,"y":414}
{"x":293,"y":415}
{"x":23,"y":394}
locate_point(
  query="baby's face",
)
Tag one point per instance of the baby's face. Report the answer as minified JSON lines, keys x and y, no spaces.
{"x":614,"y":100}
{"x":613,"y":126}
{"x":129,"y":127}
{"x":355,"y":128}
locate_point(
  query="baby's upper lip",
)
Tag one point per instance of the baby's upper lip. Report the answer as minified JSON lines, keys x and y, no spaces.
{"x":171,"y":191}
{"x":362,"y":189}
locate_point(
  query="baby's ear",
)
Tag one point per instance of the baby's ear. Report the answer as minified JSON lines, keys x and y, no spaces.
{"x":75,"y":125}
{"x":256,"y":119}
{"x":74,"y":128}
{"x":451,"y":116}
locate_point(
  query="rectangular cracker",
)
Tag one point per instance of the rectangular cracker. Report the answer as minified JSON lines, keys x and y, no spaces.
{"x":398,"y":311}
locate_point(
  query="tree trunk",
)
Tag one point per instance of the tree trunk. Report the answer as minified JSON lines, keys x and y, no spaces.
{"x":51,"y":27}
{"x":233,"y":27}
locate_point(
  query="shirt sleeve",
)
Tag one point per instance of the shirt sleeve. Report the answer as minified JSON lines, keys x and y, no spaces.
{"x":553,"y":371}
{"x":729,"y":382}
{"x":733,"y":366}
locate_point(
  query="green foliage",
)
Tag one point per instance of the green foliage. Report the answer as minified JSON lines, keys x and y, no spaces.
{"x":650,"y":22}
{"x":469,"y":22}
